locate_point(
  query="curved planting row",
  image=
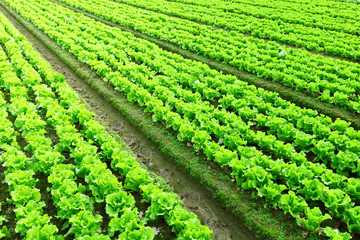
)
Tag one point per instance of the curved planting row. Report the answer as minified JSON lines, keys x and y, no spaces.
{"x":31,"y":221}
{"x":322,"y":6}
{"x":330,"y":35}
{"x":3,"y":231}
{"x":309,"y":14}
{"x":302,"y":129}
{"x":6,"y":137}
{"x":347,"y":1}
{"x":330,"y":80}
{"x":224,"y":136}
{"x":28,"y":75}
{"x":319,"y":7}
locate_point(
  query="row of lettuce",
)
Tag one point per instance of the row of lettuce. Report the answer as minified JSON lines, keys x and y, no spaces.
{"x":25,"y":75}
{"x":348,"y":1}
{"x":325,"y":7}
{"x":301,"y":130}
{"x":329,"y":80}
{"x":4,"y":232}
{"x":316,"y":33}
{"x":310,"y":14}
{"x":234,"y":124}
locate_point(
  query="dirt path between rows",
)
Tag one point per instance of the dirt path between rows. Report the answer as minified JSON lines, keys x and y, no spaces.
{"x":301,"y":98}
{"x":324,"y":54}
{"x":193,"y":194}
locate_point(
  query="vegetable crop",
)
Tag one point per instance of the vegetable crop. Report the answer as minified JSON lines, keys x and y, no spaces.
{"x":39,"y":99}
{"x":295,"y":159}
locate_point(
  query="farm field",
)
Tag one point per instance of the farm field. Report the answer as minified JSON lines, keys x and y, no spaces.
{"x":179,"y":119}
